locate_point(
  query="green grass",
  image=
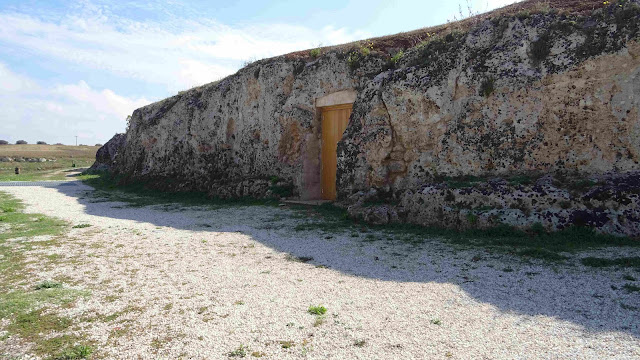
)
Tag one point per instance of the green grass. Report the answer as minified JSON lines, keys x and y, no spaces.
{"x":48,"y":285}
{"x":317,"y":310}
{"x":30,"y":312}
{"x":66,"y":156}
{"x":139,"y":194}
{"x":19,"y":224}
{"x":240,"y":351}
{"x":535,"y":243}
{"x":74,"y":352}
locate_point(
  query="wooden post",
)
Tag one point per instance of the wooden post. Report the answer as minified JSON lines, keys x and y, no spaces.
{"x":17,"y":171}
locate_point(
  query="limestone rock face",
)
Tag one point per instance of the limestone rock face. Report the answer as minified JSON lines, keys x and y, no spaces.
{"x":107,"y":154}
{"x":481,"y":104}
{"x":259,"y":123}
{"x":545,"y":93}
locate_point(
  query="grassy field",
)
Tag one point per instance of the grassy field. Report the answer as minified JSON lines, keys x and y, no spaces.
{"x":65,"y":155}
{"x":534,"y":243}
{"x":30,"y":308}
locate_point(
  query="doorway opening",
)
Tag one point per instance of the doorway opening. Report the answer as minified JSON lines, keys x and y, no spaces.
{"x":334,"y":121}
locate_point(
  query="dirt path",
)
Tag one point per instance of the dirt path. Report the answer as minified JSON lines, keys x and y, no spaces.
{"x":199,"y":283}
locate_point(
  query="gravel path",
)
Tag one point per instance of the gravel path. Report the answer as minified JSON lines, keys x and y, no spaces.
{"x":198,"y":283}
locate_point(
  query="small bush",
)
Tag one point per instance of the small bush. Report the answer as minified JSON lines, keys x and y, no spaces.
{"x":317,"y":310}
{"x":395,"y":58}
{"x":98,"y":145}
{"x":21,"y":142}
{"x":81,"y":226}
{"x":354,"y":60}
{"x":314,"y":53}
{"x":4,"y":142}
{"x":41,"y":143}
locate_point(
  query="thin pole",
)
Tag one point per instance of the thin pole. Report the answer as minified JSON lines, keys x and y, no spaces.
{"x":76,"y":140}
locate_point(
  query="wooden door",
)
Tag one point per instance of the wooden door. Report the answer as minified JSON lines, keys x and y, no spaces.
{"x":334,"y":122}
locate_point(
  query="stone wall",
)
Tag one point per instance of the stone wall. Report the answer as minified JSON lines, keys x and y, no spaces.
{"x":525,"y":94}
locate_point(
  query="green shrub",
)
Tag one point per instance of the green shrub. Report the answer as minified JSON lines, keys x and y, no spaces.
{"x":354,"y":60}
{"x":317,"y":310}
{"x":314,"y":53}
{"x":395,"y":58}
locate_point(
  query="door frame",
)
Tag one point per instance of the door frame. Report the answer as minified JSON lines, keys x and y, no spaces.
{"x":321,"y":111}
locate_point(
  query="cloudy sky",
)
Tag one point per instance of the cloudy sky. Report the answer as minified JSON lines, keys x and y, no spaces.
{"x":72,"y":67}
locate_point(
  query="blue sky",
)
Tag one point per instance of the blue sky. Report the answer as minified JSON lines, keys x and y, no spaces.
{"x":72,"y":68}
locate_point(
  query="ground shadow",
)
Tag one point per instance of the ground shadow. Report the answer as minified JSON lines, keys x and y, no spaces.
{"x":592,"y":298}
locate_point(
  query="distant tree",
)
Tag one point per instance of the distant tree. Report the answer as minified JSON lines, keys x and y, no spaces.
{"x":99,"y":145}
{"x":4,"y":142}
{"x":21,"y":142}
{"x":41,"y":143}
{"x":59,"y":144}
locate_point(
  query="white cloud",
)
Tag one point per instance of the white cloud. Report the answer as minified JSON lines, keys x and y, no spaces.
{"x":173,"y":56}
{"x":33,"y":112}
{"x":178,"y":54}
{"x":12,"y":83}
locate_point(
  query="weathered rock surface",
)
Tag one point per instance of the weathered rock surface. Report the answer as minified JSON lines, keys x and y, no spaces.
{"x":546,"y":92}
{"x":609,"y":203}
{"x":107,"y":155}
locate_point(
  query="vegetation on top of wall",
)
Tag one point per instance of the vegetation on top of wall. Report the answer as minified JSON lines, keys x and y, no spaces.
{"x":355,"y":58}
{"x":395,"y":58}
{"x":314,"y":53}
{"x":524,"y":9}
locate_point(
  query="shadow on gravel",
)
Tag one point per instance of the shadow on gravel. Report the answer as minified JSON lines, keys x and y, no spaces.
{"x":595,"y":298}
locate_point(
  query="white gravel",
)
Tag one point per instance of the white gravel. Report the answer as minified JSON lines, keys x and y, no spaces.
{"x":197,"y":283}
